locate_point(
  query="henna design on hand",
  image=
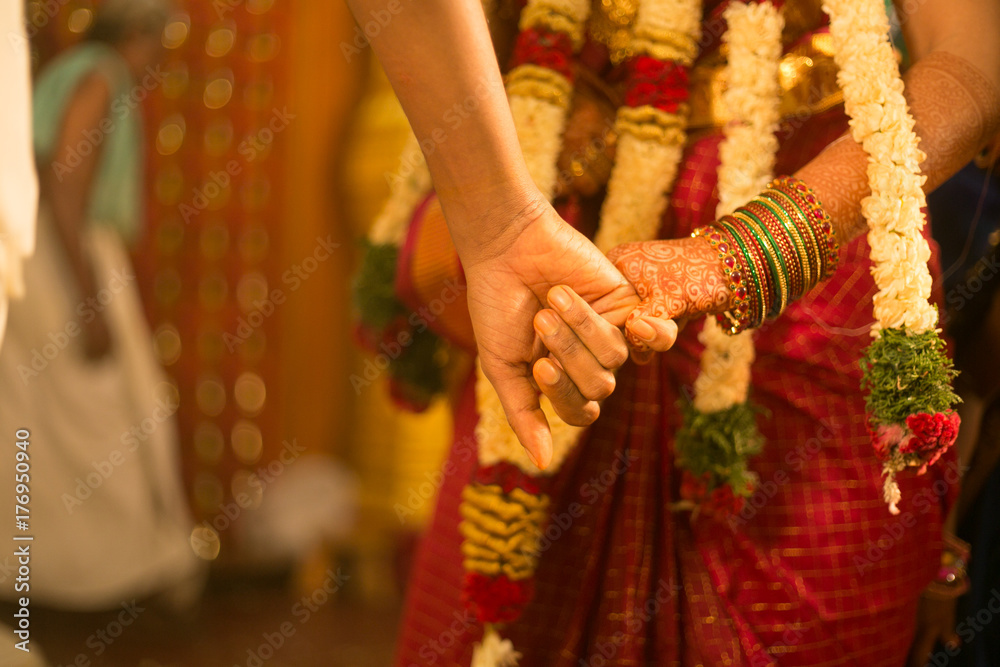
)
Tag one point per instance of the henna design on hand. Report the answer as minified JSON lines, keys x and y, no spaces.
{"x":674,"y":279}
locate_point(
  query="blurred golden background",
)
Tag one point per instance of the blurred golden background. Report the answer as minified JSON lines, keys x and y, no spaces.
{"x":269,"y":136}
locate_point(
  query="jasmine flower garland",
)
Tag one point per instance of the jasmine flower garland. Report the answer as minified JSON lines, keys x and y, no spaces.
{"x":906,"y":373}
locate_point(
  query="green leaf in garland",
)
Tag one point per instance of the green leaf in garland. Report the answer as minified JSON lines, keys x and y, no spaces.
{"x":420,"y":365}
{"x":905,"y":374}
{"x":720,"y":443}
{"x":374,"y":288}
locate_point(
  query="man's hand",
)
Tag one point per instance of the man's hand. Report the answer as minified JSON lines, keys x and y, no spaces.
{"x":508,"y":283}
{"x":585,"y":351}
{"x":680,"y":279}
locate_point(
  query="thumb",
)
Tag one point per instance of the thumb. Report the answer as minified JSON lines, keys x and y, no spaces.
{"x":519,"y":399}
{"x":643,"y":329}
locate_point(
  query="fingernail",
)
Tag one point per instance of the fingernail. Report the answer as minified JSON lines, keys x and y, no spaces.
{"x":545,"y":459}
{"x":531,"y":456}
{"x":560,"y":298}
{"x":643,"y":330}
{"x":547,"y":372}
{"x":541,"y":459}
{"x":546,"y":323}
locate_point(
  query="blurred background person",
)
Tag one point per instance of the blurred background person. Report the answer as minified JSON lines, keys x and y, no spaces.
{"x":18,"y":205}
{"x":107,"y":508}
{"x":242,"y":262}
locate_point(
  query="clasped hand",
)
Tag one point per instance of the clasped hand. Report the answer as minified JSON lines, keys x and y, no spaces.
{"x":552,"y":314}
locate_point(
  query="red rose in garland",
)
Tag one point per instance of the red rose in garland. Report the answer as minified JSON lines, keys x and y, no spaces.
{"x":932,"y":435}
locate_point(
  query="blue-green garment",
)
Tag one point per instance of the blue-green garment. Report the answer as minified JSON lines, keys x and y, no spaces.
{"x":115,"y":192}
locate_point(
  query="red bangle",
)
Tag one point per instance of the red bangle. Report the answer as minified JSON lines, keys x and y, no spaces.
{"x":725,"y":247}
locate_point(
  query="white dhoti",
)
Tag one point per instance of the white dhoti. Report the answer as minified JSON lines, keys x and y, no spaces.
{"x":107,"y":508}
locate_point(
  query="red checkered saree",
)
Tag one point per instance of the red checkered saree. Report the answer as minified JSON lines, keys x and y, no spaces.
{"x":815,"y":571}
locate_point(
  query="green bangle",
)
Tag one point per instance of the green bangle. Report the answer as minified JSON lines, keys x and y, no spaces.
{"x":782,"y":216}
{"x":772,"y":252}
{"x":769,"y":193}
{"x":816,"y":217}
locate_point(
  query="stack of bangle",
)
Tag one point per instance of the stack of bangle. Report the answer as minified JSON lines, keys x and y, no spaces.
{"x":773,"y":250}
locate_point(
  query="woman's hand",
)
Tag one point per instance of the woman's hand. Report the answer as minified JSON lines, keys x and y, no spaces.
{"x":508,"y":281}
{"x":675,"y":280}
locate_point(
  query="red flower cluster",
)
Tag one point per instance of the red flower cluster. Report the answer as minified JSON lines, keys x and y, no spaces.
{"x":721,"y":502}
{"x":925,"y":435}
{"x":496,"y":599}
{"x":694,"y":488}
{"x":885,"y":438}
{"x":544,"y":48}
{"x":657,"y":83}
{"x":931,"y":435}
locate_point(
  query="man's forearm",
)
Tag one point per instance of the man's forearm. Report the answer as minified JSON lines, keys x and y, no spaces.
{"x":439,"y":59}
